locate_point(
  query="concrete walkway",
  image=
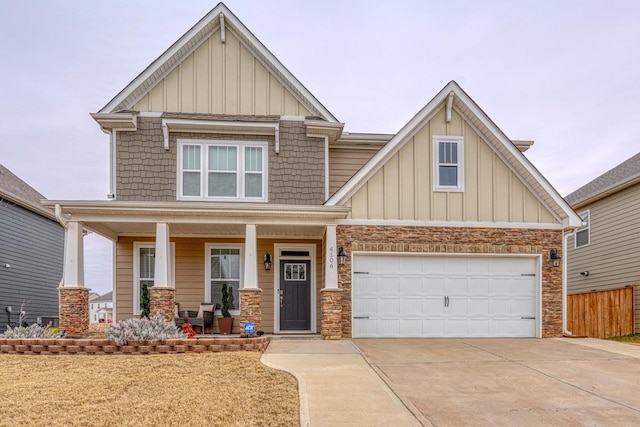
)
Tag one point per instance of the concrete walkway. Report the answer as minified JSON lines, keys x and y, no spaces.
{"x":336,"y":384}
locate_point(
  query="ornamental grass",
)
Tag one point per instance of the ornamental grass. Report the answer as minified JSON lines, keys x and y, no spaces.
{"x":207,"y":389}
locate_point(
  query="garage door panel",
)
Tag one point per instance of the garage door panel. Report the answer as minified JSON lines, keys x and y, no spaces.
{"x":438,"y":296}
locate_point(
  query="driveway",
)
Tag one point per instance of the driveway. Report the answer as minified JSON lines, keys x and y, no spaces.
{"x":507,"y":382}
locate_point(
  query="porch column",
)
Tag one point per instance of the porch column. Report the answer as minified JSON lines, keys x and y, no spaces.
{"x":162,"y":293}
{"x":331,"y":294}
{"x":250,"y":294}
{"x":73,"y":297}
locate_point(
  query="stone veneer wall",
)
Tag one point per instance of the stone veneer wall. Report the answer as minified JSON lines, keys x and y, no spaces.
{"x":251,"y":307}
{"x":331,"y":308}
{"x":50,"y":346}
{"x":145,"y":171}
{"x":458,"y":240}
{"x":162,"y":301}
{"x":74,"y":311}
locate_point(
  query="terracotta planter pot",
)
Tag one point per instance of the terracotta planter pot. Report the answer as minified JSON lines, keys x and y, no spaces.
{"x":225,"y":325}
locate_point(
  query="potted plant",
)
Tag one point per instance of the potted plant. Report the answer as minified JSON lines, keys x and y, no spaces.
{"x":225,"y":323}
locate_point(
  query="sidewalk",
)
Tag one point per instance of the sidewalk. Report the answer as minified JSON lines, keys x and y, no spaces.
{"x":337,"y":386}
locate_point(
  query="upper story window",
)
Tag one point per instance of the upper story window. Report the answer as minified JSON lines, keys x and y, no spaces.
{"x":583,"y":234}
{"x":222,"y":170}
{"x":448,"y":163}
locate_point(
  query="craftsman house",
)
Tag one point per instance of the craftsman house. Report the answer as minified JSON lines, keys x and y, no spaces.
{"x":227,"y":170}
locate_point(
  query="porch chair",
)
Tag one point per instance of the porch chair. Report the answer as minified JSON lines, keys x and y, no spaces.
{"x":203,"y":317}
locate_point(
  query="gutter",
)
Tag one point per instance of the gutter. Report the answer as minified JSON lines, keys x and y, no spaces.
{"x":565,"y":238}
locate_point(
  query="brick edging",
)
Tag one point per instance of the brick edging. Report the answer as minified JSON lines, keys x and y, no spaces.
{"x":50,"y":346}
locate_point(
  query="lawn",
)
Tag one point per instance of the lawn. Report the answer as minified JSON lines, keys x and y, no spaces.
{"x":633,"y":338}
{"x":208,"y":389}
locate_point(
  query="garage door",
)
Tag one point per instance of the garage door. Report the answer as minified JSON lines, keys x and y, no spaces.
{"x":445,"y":296}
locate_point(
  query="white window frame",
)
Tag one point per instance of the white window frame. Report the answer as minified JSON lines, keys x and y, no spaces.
{"x":207,"y":272}
{"x":436,"y":163}
{"x":136,"y":270}
{"x":240,"y":170}
{"x":584,"y":228}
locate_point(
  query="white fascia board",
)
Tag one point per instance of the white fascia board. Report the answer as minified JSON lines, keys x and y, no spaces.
{"x":378,"y":160}
{"x":233,"y":23}
{"x":571,"y":219}
{"x":155,"y":65}
{"x":38,"y":209}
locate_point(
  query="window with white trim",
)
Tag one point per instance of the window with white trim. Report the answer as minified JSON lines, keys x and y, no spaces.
{"x":583,"y":234}
{"x":224,"y":266}
{"x":144,"y":266}
{"x":448,"y":163}
{"x":222,"y":170}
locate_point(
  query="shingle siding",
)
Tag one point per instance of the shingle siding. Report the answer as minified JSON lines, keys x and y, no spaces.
{"x":148,"y":172}
{"x":34,"y":247}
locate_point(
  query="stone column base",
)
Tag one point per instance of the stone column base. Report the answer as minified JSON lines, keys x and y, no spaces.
{"x":162,"y":301}
{"x":74,"y":311}
{"x":331,"y":309}
{"x":251,"y":307}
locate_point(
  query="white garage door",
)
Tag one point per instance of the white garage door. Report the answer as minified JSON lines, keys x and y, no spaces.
{"x":445,"y":296}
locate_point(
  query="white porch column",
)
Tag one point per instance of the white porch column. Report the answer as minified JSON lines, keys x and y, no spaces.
{"x":162,"y":277}
{"x":331,"y":263}
{"x":73,"y":274}
{"x":250,"y":257}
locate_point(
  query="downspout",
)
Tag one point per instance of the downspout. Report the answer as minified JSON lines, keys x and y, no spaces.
{"x":112,"y":164}
{"x":565,"y":238}
{"x":326,"y":167}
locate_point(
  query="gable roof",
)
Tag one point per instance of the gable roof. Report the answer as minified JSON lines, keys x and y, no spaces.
{"x":19,"y":192}
{"x":502,"y":145}
{"x":622,"y":176}
{"x":108,"y":297}
{"x":186,"y":44}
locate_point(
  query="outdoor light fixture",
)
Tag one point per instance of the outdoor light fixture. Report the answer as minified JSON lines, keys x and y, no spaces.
{"x":342,"y":258}
{"x":267,"y":261}
{"x":584,"y":273}
{"x":553,"y":256}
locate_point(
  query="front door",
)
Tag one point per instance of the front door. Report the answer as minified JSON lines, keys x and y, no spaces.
{"x":295,"y":295}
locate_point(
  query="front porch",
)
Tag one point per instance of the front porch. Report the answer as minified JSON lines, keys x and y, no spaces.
{"x":279,"y":263}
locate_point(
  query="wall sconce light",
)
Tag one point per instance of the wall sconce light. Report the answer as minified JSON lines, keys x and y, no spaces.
{"x":342,"y":258}
{"x":7,"y":266}
{"x":267,"y":261}
{"x":584,"y":273}
{"x":553,"y":256}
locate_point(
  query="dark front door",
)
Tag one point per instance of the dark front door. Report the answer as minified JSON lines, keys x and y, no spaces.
{"x":295,"y":296}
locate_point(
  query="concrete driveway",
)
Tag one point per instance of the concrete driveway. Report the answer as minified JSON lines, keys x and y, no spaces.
{"x":507,"y":382}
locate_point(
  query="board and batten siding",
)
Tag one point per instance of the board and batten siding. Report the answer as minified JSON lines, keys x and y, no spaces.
{"x":344,"y":163}
{"x":33,"y":246}
{"x":190,"y":275}
{"x":612,"y":257}
{"x":402,"y":189}
{"x":221,"y":78}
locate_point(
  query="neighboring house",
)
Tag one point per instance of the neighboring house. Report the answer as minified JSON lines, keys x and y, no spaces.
{"x":227,"y":170}
{"x":31,"y":254}
{"x":101,"y":308}
{"x":605,"y":252}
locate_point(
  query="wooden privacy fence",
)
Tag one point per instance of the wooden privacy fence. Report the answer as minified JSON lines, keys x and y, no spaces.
{"x":601,"y":314}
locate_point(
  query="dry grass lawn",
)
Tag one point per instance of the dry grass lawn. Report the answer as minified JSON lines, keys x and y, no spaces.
{"x":209,"y":389}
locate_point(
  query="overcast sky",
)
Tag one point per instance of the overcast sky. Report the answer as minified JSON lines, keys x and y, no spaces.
{"x":563,"y":73}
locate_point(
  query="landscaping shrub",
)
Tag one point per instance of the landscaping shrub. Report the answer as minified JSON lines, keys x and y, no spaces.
{"x":153,"y":328}
{"x":32,"y":331}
